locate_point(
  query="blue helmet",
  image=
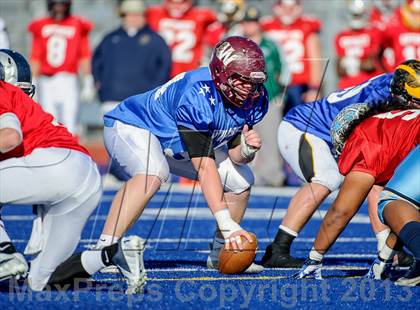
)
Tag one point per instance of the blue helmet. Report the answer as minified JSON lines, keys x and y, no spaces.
{"x":14,"y":69}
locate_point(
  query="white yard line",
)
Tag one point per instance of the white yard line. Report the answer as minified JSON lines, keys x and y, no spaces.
{"x":204,"y":214}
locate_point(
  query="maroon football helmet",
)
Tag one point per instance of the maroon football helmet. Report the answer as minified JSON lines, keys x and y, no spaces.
{"x":237,"y":68}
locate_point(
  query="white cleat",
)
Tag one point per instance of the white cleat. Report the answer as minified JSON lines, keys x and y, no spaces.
{"x":129,"y":261}
{"x":213,"y":263}
{"x":12,"y":265}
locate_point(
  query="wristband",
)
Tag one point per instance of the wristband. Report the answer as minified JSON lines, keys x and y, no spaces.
{"x":226,"y":225}
{"x":247,"y":151}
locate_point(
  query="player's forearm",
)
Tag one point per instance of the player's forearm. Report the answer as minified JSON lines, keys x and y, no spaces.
{"x":210,"y":182}
{"x":9,"y":139}
{"x":35,"y":67}
{"x":85,"y":66}
{"x":353,"y":192}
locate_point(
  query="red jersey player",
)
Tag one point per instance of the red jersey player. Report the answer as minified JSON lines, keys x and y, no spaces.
{"x":298,"y":36}
{"x":59,"y":46}
{"x":402,"y":34}
{"x":357,"y":48}
{"x":183,"y":27}
{"x":371,"y":154}
{"x":41,"y":164}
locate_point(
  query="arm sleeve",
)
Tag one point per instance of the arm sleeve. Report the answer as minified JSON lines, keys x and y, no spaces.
{"x":10,"y":120}
{"x":36,"y":47}
{"x":339,"y":50}
{"x":199,"y":144}
{"x":86,"y":27}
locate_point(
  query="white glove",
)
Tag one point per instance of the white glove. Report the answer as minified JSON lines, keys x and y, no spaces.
{"x":310,"y":268}
{"x":247,"y":151}
{"x":88,"y":91}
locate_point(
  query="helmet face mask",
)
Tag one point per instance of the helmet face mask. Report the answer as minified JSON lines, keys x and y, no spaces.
{"x":237,"y":68}
{"x":15,"y":70}
{"x":405,"y":84}
{"x":357,"y":14}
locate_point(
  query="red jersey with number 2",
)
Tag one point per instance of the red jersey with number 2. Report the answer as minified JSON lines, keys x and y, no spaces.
{"x":183,"y":35}
{"x":293,"y":39}
{"x":380,"y":143}
{"x":60,"y":45}
{"x":39,"y":129}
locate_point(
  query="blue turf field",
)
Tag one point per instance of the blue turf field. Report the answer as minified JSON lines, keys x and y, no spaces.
{"x":179,"y":227}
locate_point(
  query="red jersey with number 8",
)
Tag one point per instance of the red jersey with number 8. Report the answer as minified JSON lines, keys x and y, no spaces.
{"x":380,"y":143}
{"x":60,"y":45}
{"x":39,"y":129}
{"x":183,"y":35}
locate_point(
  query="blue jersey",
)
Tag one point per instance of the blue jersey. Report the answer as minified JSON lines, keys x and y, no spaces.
{"x":190,"y":100}
{"x":317,"y":117}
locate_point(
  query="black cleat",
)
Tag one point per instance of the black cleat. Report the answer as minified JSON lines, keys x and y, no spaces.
{"x":404,"y":259}
{"x":273,"y":257}
{"x":412,"y":277}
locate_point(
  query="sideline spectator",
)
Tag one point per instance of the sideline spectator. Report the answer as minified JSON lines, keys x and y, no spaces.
{"x":131,"y":59}
{"x":60,"y":46}
{"x":357,"y":47}
{"x":268,"y":162}
{"x":402,"y":34}
{"x":298,"y":35}
{"x":183,"y":26}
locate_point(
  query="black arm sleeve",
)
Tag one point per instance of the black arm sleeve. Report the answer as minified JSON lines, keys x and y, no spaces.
{"x":235,"y":141}
{"x":199,"y":144}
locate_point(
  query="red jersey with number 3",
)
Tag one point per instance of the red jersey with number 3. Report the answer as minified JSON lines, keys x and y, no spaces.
{"x":360,"y":44}
{"x":404,"y":42}
{"x":183,"y":35}
{"x":293,"y":39}
{"x":380,"y":143}
{"x":60,"y":45}
{"x":39,"y":129}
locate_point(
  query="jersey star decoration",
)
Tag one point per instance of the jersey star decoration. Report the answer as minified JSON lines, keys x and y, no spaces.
{"x":212,"y":100}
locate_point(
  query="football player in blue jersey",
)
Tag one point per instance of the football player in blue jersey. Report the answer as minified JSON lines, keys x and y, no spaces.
{"x":305,"y":143}
{"x":197,"y":125}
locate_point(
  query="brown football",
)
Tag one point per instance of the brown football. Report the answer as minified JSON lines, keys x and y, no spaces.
{"x":231,"y":262}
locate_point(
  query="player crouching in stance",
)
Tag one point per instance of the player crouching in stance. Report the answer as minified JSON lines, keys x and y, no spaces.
{"x":305,"y":143}
{"x":370,"y":156}
{"x":198,"y":125}
{"x":41,"y":164}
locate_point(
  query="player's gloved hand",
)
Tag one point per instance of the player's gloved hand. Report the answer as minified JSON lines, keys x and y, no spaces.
{"x":88,"y":91}
{"x":310,"y":268}
{"x":380,"y":269}
{"x":250,"y":143}
{"x":234,"y":241}
{"x":230,"y":230}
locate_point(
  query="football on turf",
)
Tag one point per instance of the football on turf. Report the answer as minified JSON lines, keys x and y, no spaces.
{"x":231,"y":262}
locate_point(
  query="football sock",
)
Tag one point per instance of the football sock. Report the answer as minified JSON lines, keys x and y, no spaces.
{"x":4,"y":237}
{"x":94,"y":260}
{"x":7,"y":248}
{"x":410,"y":235}
{"x":105,"y":240}
{"x":284,"y":239}
{"x":381,"y":237}
{"x":82,"y":265}
{"x":218,"y":243}
{"x":386,"y":253}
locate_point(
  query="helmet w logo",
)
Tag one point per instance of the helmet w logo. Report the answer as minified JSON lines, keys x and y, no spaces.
{"x":226,"y":53}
